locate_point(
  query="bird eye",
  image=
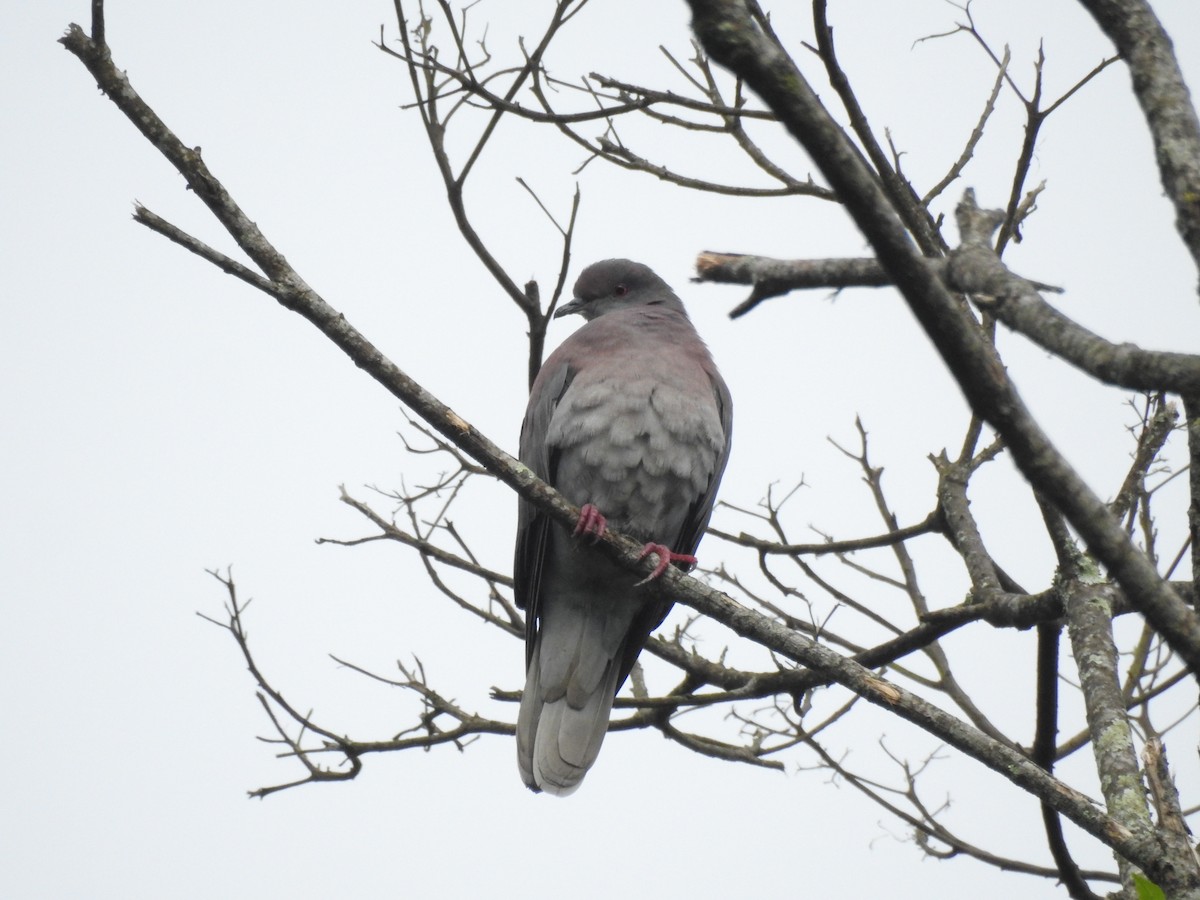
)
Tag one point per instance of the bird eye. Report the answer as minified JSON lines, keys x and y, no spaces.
{"x":620,"y":290}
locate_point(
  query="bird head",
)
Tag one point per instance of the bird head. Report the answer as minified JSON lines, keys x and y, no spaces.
{"x":614,"y":284}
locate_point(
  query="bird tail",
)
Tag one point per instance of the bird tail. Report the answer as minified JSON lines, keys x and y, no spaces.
{"x":573,"y":676}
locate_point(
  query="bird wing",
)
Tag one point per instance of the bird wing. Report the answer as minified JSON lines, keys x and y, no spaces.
{"x":701,"y":509}
{"x":533,"y":525}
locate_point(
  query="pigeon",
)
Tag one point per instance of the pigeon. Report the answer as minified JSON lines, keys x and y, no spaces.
{"x":630,"y":420}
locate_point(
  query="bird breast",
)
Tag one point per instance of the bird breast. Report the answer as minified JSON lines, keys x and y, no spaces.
{"x":640,"y":445}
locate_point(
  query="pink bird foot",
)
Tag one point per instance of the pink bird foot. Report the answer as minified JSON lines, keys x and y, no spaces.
{"x":666,"y":556}
{"x":591,"y":522}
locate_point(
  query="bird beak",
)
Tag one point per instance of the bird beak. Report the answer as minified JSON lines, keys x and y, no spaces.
{"x":575,"y":306}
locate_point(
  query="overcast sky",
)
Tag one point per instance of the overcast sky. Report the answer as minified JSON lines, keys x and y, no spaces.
{"x":162,"y":418}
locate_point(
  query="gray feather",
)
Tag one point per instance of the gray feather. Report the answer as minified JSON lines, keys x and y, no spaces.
{"x":630,"y":415}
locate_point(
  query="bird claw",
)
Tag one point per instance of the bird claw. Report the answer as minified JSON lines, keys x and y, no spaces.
{"x":591,"y":522}
{"x":666,"y":556}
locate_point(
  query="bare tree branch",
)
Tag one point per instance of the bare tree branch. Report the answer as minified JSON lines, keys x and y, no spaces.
{"x":730,"y":36}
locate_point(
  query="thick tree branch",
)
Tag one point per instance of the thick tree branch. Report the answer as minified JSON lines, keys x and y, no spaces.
{"x":1090,"y":628}
{"x":1166,"y":102}
{"x":975,"y":269}
{"x":962,"y":531}
{"x":776,"y":277}
{"x":1191,"y":411}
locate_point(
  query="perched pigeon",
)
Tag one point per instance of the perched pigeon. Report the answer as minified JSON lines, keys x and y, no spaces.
{"x":630,"y":420}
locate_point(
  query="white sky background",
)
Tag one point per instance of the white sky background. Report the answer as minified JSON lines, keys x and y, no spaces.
{"x":162,"y":418}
